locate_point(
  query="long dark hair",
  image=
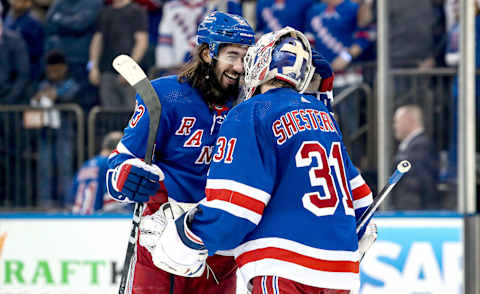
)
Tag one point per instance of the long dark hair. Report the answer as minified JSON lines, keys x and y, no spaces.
{"x":201,"y":76}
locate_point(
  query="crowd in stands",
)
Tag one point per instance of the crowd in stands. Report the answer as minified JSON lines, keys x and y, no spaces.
{"x":60,"y":51}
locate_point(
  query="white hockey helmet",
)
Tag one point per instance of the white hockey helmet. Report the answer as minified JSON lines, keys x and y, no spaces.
{"x":285,"y":55}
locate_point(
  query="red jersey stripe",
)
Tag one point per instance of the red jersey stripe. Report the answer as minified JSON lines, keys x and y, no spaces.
{"x":361,"y":192}
{"x":339,"y":266}
{"x":236,"y":198}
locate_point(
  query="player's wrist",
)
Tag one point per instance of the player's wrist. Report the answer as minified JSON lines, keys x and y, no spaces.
{"x":187,"y":236}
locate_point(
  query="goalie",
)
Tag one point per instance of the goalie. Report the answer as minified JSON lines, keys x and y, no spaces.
{"x":282,"y":193}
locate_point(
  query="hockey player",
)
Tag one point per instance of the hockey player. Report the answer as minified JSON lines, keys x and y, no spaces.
{"x":281,"y":190}
{"x":88,"y":193}
{"x":194,"y":105}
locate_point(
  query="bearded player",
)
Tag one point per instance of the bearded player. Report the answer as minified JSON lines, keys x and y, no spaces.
{"x":194,"y":105}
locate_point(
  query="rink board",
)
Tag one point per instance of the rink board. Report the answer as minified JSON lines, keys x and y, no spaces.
{"x":59,"y":254}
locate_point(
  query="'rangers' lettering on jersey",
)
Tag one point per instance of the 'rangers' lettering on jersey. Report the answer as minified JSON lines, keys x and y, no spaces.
{"x":186,"y":135}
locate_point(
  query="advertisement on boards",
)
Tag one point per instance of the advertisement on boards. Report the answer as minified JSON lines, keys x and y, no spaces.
{"x":415,"y":255}
{"x":64,"y":255}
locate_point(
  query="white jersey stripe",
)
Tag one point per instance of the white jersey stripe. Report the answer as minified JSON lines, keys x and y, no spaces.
{"x":357,"y":182}
{"x":275,"y":285}
{"x":234,"y":210}
{"x":331,"y":255}
{"x":122,"y":149}
{"x":264,"y":285}
{"x":363,"y":202}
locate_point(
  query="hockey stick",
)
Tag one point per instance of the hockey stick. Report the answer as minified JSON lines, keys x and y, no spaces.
{"x":402,"y":168}
{"x":135,"y":76}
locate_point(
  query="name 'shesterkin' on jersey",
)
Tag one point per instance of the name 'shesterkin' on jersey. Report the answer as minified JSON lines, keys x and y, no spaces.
{"x":300,"y":120}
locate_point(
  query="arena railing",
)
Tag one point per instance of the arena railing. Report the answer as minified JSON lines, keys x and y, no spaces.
{"x":40,"y":149}
{"x":103,"y":120}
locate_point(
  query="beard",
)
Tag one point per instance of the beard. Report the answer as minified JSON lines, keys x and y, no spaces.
{"x":212,"y":91}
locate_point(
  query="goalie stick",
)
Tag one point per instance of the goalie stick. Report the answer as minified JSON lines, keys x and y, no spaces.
{"x":136,"y":77}
{"x":402,"y":168}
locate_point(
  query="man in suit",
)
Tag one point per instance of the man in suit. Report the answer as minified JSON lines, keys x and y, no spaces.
{"x":417,"y":190}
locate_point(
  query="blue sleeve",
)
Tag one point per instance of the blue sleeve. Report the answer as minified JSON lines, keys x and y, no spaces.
{"x":135,"y":135}
{"x":239,"y":184}
{"x":361,"y":194}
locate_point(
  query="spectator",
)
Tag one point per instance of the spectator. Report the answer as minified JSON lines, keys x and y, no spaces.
{"x":122,"y":29}
{"x":332,"y":28}
{"x":417,"y":190}
{"x":14,"y":76}
{"x":177,"y":31}
{"x":55,"y":162}
{"x":4,"y":6}
{"x":228,"y":6}
{"x":40,"y":8}
{"x":155,"y":12}
{"x":19,"y":18}
{"x":178,"y":28}
{"x":69,"y":27}
{"x":416,"y":27}
{"x":88,"y":191}
{"x":14,"y":69}
{"x":273,"y":15}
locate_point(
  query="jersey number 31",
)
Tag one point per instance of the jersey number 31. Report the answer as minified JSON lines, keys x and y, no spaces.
{"x":321,"y":176}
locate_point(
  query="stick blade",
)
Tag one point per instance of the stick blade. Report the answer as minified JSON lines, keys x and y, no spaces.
{"x":128,"y":69}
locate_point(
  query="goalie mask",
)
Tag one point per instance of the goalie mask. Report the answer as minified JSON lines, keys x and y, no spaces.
{"x":222,"y":28}
{"x":284,"y":55}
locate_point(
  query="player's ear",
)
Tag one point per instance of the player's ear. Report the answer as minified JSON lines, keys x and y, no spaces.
{"x":205,"y":55}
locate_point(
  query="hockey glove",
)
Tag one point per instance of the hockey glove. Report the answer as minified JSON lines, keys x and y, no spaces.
{"x":152,"y":226}
{"x":177,"y":250}
{"x":134,"y":180}
{"x":368,"y":238}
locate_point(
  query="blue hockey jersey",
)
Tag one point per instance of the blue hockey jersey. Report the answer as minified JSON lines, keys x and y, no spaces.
{"x":273,"y":15}
{"x":283,"y":193}
{"x":185,"y":139}
{"x":88,"y":191}
{"x":333,"y":29}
